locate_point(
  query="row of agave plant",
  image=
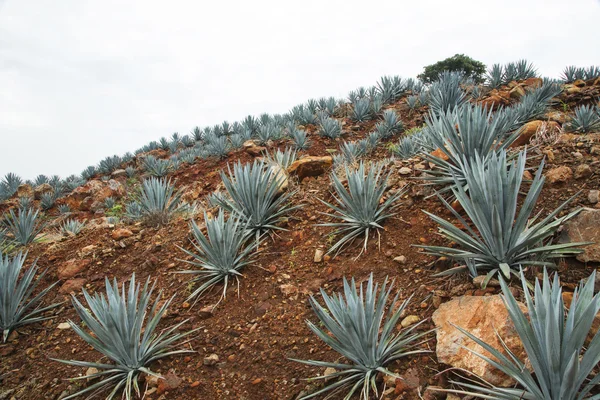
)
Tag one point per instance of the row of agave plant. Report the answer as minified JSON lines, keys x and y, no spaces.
{"x":356,"y":324}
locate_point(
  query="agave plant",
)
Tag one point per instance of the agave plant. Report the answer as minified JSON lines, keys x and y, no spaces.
{"x":110,"y":164}
{"x":360,"y":207}
{"x":159,"y":200}
{"x":237,"y":140}
{"x":301,"y":141}
{"x":390,"y":126}
{"x":586,"y":119}
{"x":560,"y":363}
{"x":361,"y":110}
{"x":134,"y":210}
{"x":268,"y":132}
{"x":89,"y":172}
{"x":533,"y":105}
{"x":25,"y":202}
{"x":220,"y":255}
{"x":350,"y":152}
{"x":23,"y":225}
{"x":412,"y":102}
{"x":446,"y":94}
{"x":376,"y":104}
{"x":360,"y":328}
{"x":217,"y":146}
{"x":123,"y":327}
{"x":71,"y":227}
{"x":500,"y":240}
{"x":407,"y":147}
{"x":254,"y":196}
{"x":47,"y":201}
{"x":459,"y":135}
{"x":282,"y":158}
{"x":18,"y":306}
{"x":391,"y":88}
{"x":330,"y":128}
{"x":157,"y":167}
{"x":518,"y":71}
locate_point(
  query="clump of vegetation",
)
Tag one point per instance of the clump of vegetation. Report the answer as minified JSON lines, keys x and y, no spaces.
{"x":500,"y":240}
{"x":158,"y":201}
{"x":358,"y":326}
{"x":560,"y":364}
{"x":254,"y":196}
{"x":360,"y":207}
{"x":573,"y":73}
{"x":220,"y":254}
{"x":9,"y":185}
{"x":465,"y":65}
{"x":71,"y":227}
{"x":18,"y":306}
{"x":361,"y":110}
{"x":24,"y":225}
{"x":499,"y":75}
{"x":282,"y":158}
{"x":586,"y":119}
{"x":446,"y":93}
{"x":124,"y":329}
{"x":330,"y":128}
{"x":157,"y":167}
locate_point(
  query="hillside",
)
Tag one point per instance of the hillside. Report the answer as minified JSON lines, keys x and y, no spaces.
{"x":245,"y":342}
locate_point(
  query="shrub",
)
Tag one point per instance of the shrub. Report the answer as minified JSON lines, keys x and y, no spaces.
{"x":18,"y":306}
{"x":445,"y":94}
{"x":23,"y":225}
{"x":220,"y":255}
{"x":560,"y":364}
{"x":360,"y":207}
{"x":254,"y":196}
{"x":500,"y":240}
{"x":358,"y":326}
{"x":461,"y":63}
{"x":123,"y":329}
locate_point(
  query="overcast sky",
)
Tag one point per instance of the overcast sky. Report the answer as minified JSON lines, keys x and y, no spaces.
{"x":84,"y":79}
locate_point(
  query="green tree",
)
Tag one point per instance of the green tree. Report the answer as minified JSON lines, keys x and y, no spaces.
{"x":459,"y":62}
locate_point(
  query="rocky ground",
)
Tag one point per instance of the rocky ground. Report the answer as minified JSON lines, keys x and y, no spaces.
{"x":244,"y":346}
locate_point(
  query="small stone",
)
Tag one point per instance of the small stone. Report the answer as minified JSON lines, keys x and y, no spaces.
{"x":72,"y":285}
{"x":121,"y":233}
{"x":410,"y":320}
{"x":319,"y":255}
{"x":257,"y":381}
{"x":583,"y":171}
{"x":64,"y":325}
{"x":594,"y":196}
{"x":91,"y":371}
{"x":405,"y":171}
{"x":400,"y":260}
{"x":195,"y":384}
{"x":559,"y":174}
{"x":478,"y":281}
{"x":168,"y":382}
{"x":211,"y":360}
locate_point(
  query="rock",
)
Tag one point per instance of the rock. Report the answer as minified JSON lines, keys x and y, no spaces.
{"x":72,"y":285}
{"x":400,"y":260}
{"x":211,"y":360}
{"x":91,"y":371}
{"x":570,"y":89}
{"x":39,"y":190}
{"x":478,"y":281}
{"x":25,"y":190}
{"x":559,"y":174}
{"x":71,"y":268}
{"x":288,"y":289}
{"x":528,"y":131}
{"x":253,"y":149}
{"x":410,"y":320}
{"x":151,"y":380}
{"x":583,"y":171}
{"x":94,"y":191}
{"x":557,"y":116}
{"x":533,"y":82}
{"x":310,"y":166}
{"x":517,"y":92}
{"x":438,"y":153}
{"x":118,"y":173}
{"x":64,"y":325}
{"x":594,"y":196}
{"x":579,"y":83}
{"x":405,"y":171}
{"x":584,"y":228}
{"x":280,"y":176}
{"x":121,"y":233}
{"x":485,"y":317}
{"x":494,"y":101}
{"x":170,"y":381}
{"x":319,"y":255}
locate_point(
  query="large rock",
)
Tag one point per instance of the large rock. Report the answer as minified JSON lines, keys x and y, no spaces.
{"x":584,"y":227}
{"x":485,"y":317}
{"x":280,"y":176}
{"x":529,"y":130}
{"x":25,"y":190}
{"x":71,"y":268}
{"x":95,"y":191}
{"x":310,"y":166}
{"x":39,"y":190}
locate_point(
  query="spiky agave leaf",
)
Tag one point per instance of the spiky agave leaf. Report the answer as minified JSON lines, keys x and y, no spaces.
{"x":220,"y":255}
{"x":254,"y":196}
{"x":358,"y":326}
{"x":71,"y":227}
{"x":157,"y":167}
{"x":359,"y":207}
{"x":446,"y":93}
{"x":23,"y":225}
{"x":586,"y":119}
{"x":18,"y":306}
{"x":560,"y":362}
{"x":282,"y":158}
{"x":123,"y":328}
{"x":330,"y":128}
{"x":159,"y":200}
{"x":301,"y":141}
{"x":361,"y":110}
{"x":501,"y":239}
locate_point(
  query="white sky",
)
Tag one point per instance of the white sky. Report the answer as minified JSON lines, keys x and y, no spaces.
{"x":84,"y":79}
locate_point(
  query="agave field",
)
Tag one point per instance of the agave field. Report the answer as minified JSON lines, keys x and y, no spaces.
{"x":311,"y":254}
